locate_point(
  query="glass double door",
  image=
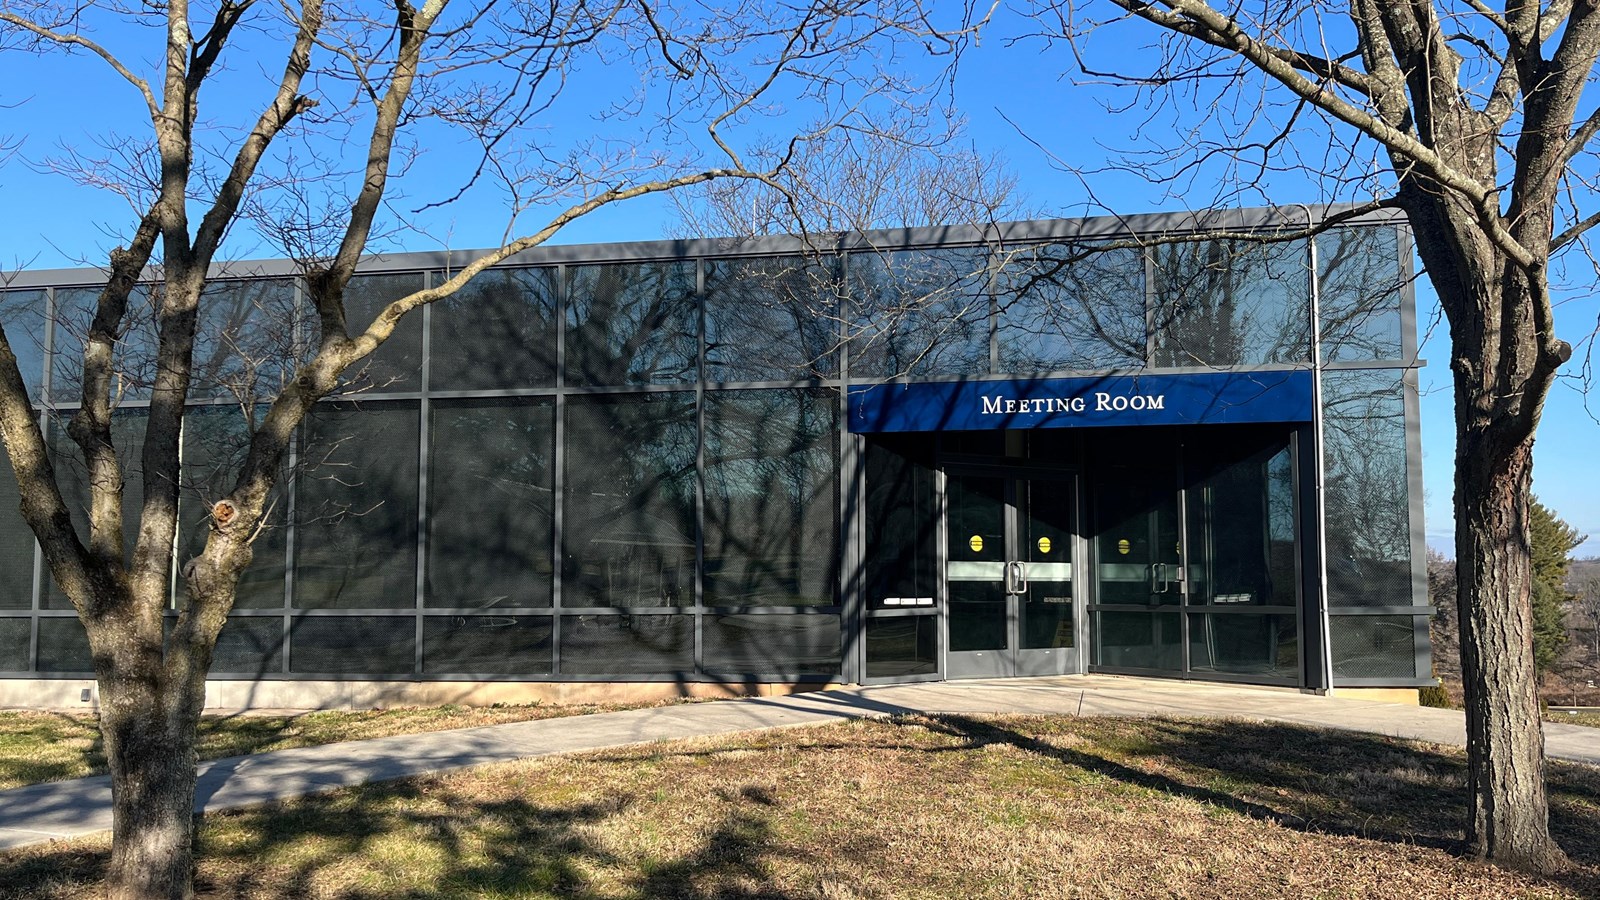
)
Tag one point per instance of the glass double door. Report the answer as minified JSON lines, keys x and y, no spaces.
{"x":1009,"y":574}
{"x":1194,"y":561}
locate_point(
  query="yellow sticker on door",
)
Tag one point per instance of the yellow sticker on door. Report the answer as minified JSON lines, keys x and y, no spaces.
{"x":1044,"y":545}
{"x":976,"y":543}
{"x":1124,"y":547}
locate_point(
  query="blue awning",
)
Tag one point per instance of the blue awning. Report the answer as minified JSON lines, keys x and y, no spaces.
{"x":1096,"y":401}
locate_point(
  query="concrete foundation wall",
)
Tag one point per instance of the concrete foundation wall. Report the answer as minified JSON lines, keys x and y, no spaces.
{"x":240,"y":695}
{"x":1402,"y":696}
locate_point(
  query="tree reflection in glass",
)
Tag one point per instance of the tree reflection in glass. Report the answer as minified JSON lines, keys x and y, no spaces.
{"x":1065,"y":307}
{"x":629,"y":500}
{"x":772,"y":508}
{"x":1368,"y":512}
{"x":921,"y":312}
{"x":771,"y":319}
{"x":1361,"y":285}
{"x":632,"y":323}
{"x":1231,"y":303}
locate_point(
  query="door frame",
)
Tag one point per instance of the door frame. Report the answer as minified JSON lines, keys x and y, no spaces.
{"x":1014,"y":660}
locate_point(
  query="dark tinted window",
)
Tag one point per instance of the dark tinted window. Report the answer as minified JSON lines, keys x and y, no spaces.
{"x":133,"y":358}
{"x":1241,"y":512}
{"x":491,"y":505}
{"x":16,"y":544}
{"x":1367,"y":490}
{"x":771,"y":644}
{"x":772,"y":508}
{"x":486,"y":645}
{"x":901,"y":520}
{"x":922,"y":312}
{"x":1361,"y":293}
{"x":1065,"y":306}
{"x":250,"y":339}
{"x":349,"y":645}
{"x":627,"y":645}
{"x":1138,"y":640}
{"x":127,"y":435}
{"x":1249,"y":644}
{"x":901,"y":646}
{"x":216,"y":441}
{"x":356,"y":508}
{"x":249,"y":645}
{"x":1224,"y":303}
{"x":23,"y":315}
{"x":1373,"y":646}
{"x":632,"y":324}
{"x":397,"y":365}
{"x":15,"y":635}
{"x":771,"y":319}
{"x":499,"y":331}
{"x":64,"y":645}
{"x":630,"y":500}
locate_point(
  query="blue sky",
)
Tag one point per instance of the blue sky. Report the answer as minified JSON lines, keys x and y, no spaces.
{"x":1019,"y":97}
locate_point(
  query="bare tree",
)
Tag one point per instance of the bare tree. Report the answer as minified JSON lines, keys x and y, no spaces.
{"x":1473,"y":121}
{"x":359,"y":88}
{"x":902,"y":175}
{"x":1587,"y":602}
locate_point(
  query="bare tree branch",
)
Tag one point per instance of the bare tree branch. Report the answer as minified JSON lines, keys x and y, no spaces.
{"x":78,"y":40}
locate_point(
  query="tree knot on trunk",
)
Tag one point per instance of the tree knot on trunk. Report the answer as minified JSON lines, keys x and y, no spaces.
{"x":223,"y":514}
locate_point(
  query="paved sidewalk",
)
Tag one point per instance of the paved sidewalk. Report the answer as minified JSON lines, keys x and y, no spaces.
{"x":73,"y":808}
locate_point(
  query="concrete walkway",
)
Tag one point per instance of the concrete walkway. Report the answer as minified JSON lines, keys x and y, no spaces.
{"x":73,"y":808}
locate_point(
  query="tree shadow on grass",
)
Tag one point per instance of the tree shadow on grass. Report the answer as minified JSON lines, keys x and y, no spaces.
{"x":438,"y":843}
{"x":1336,"y":783}
{"x":38,"y":746}
{"x":439,"y":837}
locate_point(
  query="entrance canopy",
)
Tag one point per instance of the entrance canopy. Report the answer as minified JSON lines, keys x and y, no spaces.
{"x":1104,"y":400}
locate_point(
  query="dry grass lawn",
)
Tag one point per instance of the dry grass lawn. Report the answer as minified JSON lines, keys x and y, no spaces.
{"x":1591,"y":719}
{"x":1020,"y":807}
{"x":49,"y":746}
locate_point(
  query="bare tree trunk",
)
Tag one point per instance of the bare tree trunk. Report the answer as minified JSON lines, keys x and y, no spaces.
{"x":1509,"y":816}
{"x":149,"y":724}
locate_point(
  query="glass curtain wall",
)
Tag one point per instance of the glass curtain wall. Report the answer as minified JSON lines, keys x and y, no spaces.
{"x":638,"y":468}
{"x":621,"y":470}
{"x":1377,"y":587}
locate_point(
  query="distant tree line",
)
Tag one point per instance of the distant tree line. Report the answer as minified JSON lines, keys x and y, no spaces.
{"x":1566,"y":607}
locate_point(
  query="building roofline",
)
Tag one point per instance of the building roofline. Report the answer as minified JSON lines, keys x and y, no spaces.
{"x":1087,"y":228}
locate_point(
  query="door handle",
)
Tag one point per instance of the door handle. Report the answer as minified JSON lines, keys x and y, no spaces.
{"x":1158,"y":578}
{"x":1016,"y":578}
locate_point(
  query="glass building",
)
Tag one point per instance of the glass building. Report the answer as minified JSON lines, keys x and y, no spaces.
{"x":1033,"y":448}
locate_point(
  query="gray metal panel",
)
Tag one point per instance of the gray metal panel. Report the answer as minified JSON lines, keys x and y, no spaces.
{"x":424,"y":454}
{"x":1419,"y":534}
{"x":852,"y":536}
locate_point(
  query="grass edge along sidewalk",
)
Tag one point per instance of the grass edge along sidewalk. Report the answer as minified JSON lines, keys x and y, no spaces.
{"x":42,"y":746}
